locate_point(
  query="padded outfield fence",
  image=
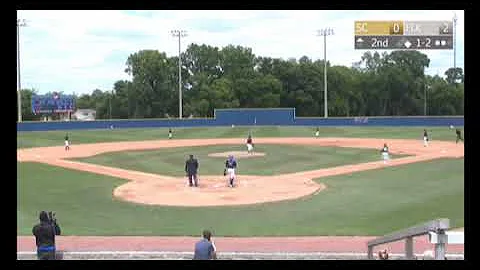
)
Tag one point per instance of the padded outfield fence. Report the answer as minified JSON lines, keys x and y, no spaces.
{"x":246,"y":117}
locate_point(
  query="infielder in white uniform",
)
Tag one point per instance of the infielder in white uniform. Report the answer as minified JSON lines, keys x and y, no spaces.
{"x":67,"y":143}
{"x":250,"y":144}
{"x":230,"y":167}
{"x":385,"y":154}
{"x":425,"y":138}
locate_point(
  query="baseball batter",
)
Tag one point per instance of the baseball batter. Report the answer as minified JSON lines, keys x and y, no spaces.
{"x":425,"y":138}
{"x":230,"y":167}
{"x":250,"y":144}
{"x":67,"y":143}
{"x":385,"y":153}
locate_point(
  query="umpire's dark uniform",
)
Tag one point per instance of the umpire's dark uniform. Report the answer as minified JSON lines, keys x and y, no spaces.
{"x":191,"y":168}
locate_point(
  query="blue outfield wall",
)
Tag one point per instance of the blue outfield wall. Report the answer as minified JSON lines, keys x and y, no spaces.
{"x":74,"y":125}
{"x":246,"y":117}
{"x":382,"y":121}
{"x":254,"y":116}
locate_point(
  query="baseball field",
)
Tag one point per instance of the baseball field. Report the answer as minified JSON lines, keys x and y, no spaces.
{"x":131,"y":182}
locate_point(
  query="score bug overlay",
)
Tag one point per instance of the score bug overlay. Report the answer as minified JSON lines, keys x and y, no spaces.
{"x":403,"y":35}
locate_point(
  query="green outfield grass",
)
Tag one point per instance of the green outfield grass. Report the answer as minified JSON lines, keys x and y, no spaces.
{"x":367,"y":203}
{"x":279,"y":159}
{"x":373,"y":202}
{"x":52,"y":138}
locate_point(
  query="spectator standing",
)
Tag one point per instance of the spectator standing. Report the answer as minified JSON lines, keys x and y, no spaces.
{"x":205,"y":248}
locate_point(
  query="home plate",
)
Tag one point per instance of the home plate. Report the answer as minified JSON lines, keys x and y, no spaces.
{"x":443,"y":151}
{"x":217,"y":186}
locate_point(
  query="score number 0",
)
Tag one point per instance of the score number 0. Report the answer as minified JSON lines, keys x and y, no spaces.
{"x":396,"y":28}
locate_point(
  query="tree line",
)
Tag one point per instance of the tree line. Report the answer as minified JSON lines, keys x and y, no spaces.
{"x":388,"y":84}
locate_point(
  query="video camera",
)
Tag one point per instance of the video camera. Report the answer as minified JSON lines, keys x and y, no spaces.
{"x":51,"y":218}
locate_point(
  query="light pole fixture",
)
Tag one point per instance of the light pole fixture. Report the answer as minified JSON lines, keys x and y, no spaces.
{"x":20,"y":23}
{"x":179,"y":34}
{"x":325,"y":32}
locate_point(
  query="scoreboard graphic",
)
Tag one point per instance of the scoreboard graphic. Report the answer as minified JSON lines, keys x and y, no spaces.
{"x":403,"y":35}
{"x":53,"y":103}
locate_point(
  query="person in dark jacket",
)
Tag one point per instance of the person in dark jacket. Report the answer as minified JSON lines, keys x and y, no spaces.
{"x":459,"y":135}
{"x":191,"y":169}
{"x":205,"y":248}
{"x":44,"y":233}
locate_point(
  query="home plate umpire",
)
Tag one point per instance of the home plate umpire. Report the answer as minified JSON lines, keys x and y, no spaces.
{"x":191,"y":169}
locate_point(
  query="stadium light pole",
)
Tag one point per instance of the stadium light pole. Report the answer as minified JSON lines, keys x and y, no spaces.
{"x":325,"y":32}
{"x":179,"y":34}
{"x":425,"y":88}
{"x":20,"y":23}
{"x":110,"y":104}
{"x":454,"y":43}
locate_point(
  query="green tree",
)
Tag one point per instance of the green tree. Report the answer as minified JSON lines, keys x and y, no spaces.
{"x":123,"y":100}
{"x":26,"y":99}
{"x":153,"y":91}
{"x":454,"y":75}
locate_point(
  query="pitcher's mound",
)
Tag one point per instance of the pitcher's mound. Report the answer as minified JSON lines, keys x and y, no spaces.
{"x":237,"y":154}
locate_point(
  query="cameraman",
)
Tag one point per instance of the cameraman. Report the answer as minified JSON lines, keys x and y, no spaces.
{"x":45,"y":233}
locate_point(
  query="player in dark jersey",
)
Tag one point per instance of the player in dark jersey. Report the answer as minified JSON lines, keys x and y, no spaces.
{"x":459,"y":135}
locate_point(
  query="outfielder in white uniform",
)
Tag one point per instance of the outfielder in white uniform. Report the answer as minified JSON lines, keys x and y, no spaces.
{"x":317,"y":132}
{"x":170,"y":134}
{"x":385,"y":154}
{"x":230,"y":167}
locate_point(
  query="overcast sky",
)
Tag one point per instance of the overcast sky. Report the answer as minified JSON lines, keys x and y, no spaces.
{"x":79,"y":51}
